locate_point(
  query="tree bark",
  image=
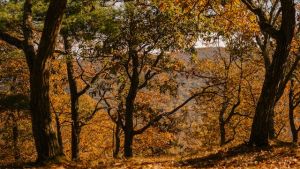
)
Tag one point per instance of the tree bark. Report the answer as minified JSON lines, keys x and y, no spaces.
{"x":275,"y":77}
{"x":260,"y":126}
{"x":76,"y":128}
{"x":222,"y":134}
{"x":45,"y":138}
{"x":38,"y":62}
{"x":268,"y":98}
{"x":291,"y":113}
{"x":15,"y":133}
{"x":58,"y":131}
{"x":117,"y":140}
{"x":222,"y":122}
{"x":129,"y":130}
{"x":272,"y":131}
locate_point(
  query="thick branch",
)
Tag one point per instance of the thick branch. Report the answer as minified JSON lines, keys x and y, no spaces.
{"x":88,"y":86}
{"x":159,"y":117}
{"x":264,"y":49}
{"x":263,"y":21}
{"x":51,"y":29}
{"x":18,"y":43}
{"x":149,"y":75}
{"x":28,"y":34}
{"x":91,"y":116}
{"x":288,"y":76}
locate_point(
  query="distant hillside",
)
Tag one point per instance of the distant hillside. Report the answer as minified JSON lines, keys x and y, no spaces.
{"x":206,"y":52}
{"x":210,"y":51}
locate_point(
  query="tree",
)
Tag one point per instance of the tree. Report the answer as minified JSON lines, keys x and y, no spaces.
{"x":231,"y":97}
{"x":278,"y":72}
{"x":83,"y":68}
{"x":293,"y":104}
{"x":139,"y":51}
{"x":219,"y":23}
{"x":38,"y":61}
{"x":75,"y":93}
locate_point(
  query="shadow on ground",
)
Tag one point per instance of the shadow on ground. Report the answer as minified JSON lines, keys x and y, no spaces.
{"x":245,"y":156}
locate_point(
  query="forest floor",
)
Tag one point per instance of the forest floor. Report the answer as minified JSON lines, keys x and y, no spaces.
{"x":279,"y":155}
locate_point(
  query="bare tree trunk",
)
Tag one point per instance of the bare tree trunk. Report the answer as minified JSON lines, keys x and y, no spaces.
{"x":39,"y":62}
{"x":260,"y":126}
{"x":276,"y":77}
{"x":117,"y":140}
{"x":222,"y":134}
{"x":15,"y":133}
{"x":129,"y":130}
{"x":58,"y":131}
{"x":45,"y":137}
{"x":291,"y":113}
{"x":293,"y":127}
{"x":272,"y":131}
{"x":222,"y":125}
{"x":76,"y":129}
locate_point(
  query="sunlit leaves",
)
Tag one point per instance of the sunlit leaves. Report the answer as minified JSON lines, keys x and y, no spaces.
{"x":10,"y":15}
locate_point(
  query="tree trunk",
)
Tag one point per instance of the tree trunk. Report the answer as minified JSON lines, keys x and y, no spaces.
{"x":222,"y":124}
{"x":272,"y":131}
{"x":275,"y":77}
{"x":58,"y":131}
{"x":76,"y":129}
{"x":260,"y":126}
{"x":222,"y":121}
{"x":128,"y":139}
{"x":117,"y":140}
{"x":269,"y":96}
{"x":222,"y":134}
{"x":129,"y":130}
{"x":75,"y":142}
{"x":15,"y":133}
{"x":45,"y":138}
{"x":39,"y":62}
{"x":292,"y":125}
{"x":291,"y":113}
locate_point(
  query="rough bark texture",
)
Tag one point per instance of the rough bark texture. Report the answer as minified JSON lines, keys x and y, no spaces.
{"x":45,"y":137}
{"x":39,"y":63}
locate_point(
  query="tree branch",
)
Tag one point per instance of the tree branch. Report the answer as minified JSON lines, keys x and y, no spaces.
{"x":18,"y":43}
{"x":263,"y":21}
{"x":51,"y":29}
{"x":159,"y":117}
{"x":148,"y":75}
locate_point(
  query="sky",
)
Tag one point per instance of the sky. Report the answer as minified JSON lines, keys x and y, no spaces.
{"x":201,"y":44}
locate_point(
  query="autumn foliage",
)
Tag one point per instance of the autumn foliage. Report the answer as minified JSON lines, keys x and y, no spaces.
{"x":169,"y":83}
